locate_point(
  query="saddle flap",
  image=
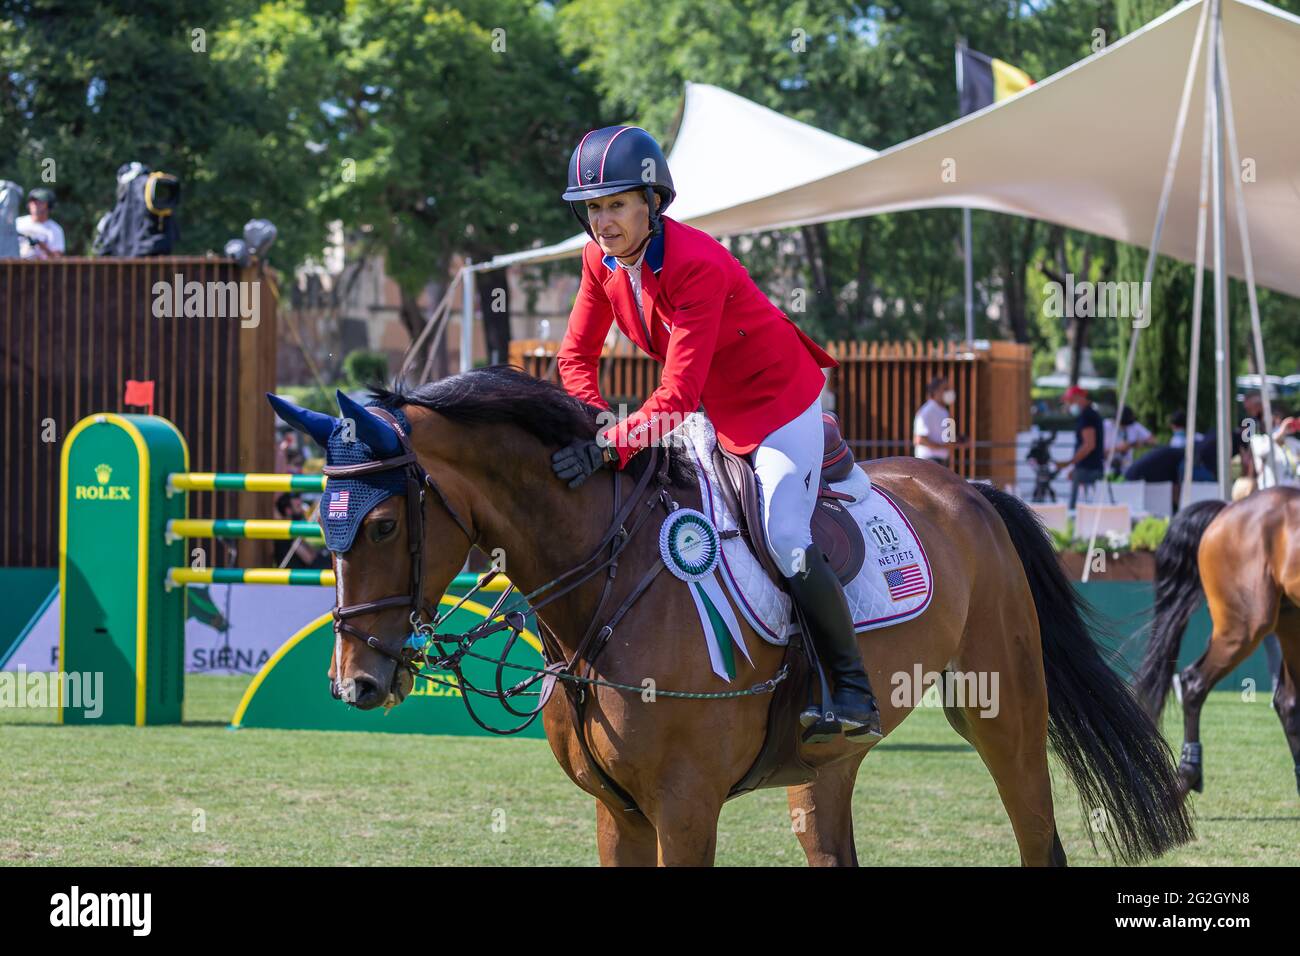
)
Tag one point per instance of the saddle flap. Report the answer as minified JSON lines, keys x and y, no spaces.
{"x":740,"y":492}
{"x":837,"y":533}
{"x":834,"y":529}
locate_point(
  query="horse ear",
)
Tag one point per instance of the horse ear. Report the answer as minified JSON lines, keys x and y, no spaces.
{"x":318,"y":426}
{"x":371,"y":429}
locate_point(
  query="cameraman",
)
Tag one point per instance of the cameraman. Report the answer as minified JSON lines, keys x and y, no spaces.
{"x":41,"y":237}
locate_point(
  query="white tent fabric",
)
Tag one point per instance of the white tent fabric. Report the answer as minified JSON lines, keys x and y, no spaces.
{"x":1087,"y":147}
{"x":730,"y":151}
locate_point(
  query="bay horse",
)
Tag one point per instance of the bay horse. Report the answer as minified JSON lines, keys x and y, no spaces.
{"x":482,"y":442}
{"x":1244,"y":559}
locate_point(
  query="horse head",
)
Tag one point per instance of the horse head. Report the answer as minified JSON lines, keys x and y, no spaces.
{"x":396,"y":539}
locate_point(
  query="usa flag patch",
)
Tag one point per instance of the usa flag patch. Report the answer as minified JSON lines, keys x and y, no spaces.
{"x":905,"y":582}
{"x":338,"y":504}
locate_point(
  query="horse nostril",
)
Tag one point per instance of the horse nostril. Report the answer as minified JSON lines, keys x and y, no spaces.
{"x":367,"y":694}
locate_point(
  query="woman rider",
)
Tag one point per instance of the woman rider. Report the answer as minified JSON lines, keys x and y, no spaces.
{"x":687,"y":302}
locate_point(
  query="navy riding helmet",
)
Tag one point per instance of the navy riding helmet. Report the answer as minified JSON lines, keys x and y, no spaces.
{"x":617,"y":159}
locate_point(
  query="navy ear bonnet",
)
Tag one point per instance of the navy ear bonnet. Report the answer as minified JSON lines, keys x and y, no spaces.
{"x":348,"y":500}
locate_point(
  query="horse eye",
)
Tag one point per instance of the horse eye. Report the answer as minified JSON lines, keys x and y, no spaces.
{"x":384,"y":529}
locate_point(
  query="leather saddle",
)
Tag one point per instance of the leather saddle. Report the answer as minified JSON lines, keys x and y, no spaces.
{"x":834,"y":530}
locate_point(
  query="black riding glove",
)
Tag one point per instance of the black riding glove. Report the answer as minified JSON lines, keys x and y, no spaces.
{"x":580,"y":459}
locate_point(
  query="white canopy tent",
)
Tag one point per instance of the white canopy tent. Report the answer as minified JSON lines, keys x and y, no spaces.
{"x":730,"y":152}
{"x":1085,"y":148}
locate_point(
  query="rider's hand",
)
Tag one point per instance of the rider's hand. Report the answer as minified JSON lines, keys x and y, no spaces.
{"x":578,"y":460}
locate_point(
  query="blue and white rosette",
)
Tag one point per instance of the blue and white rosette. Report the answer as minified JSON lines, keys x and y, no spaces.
{"x":692,"y":549}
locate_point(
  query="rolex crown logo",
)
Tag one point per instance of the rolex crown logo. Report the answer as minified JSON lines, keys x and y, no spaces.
{"x":103,"y":473}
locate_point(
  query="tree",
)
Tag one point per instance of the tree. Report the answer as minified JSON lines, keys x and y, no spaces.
{"x":449,"y":130}
{"x":86,"y":87}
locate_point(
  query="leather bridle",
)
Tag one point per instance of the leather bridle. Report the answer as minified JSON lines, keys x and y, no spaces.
{"x":417,"y":480}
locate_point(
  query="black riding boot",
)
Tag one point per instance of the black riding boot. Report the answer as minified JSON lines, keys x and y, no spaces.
{"x":821,"y":598}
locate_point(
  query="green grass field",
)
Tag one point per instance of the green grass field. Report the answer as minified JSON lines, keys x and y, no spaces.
{"x":118,"y":795}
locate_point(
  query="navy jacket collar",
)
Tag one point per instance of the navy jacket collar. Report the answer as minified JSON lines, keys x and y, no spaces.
{"x":654,"y":256}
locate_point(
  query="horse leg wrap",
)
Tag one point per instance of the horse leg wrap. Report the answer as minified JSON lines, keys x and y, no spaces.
{"x":1189,"y":767}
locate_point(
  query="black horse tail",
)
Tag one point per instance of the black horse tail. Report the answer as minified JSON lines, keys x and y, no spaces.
{"x":1120,"y":764}
{"x":1178,"y":594}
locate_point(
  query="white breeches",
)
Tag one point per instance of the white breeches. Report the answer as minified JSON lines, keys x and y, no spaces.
{"x":788,"y":464}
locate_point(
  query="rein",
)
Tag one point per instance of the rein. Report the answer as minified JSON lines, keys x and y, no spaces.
{"x":415,"y":651}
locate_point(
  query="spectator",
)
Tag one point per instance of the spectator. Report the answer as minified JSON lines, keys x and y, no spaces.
{"x":1285,"y":450}
{"x":1132,"y":434}
{"x":934,"y":424}
{"x":1158,"y":465}
{"x":283,"y":449}
{"x":299,"y":552}
{"x":1253,"y":405}
{"x":41,"y":236}
{"x":1178,"y":425}
{"x":1085,"y":468}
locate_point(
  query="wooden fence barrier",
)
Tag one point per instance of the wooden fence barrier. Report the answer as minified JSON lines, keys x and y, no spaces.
{"x":74,"y":330}
{"x":877,"y":390}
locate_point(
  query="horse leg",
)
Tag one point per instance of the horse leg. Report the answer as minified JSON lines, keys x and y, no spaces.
{"x":623,"y":838}
{"x":1013,"y":746}
{"x":1007,"y":726}
{"x":685,"y":817}
{"x":1286,"y":696}
{"x":1238,"y":628}
{"x":821,"y":814}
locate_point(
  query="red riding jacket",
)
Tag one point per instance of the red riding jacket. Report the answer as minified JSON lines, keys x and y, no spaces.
{"x":722,"y":343}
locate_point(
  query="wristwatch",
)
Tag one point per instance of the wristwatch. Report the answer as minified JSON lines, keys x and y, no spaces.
{"x":609,"y":455}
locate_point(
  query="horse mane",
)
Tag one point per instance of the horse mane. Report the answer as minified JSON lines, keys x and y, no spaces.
{"x":506,"y":394}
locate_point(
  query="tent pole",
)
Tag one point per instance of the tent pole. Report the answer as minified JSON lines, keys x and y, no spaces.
{"x":1162,"y":208}
{"x":970,"y":286}
{"x":1222,"y":369}
{"x":1198,"y":294}
{"x":967,"y":278}
{"x":433,"y":322}
{"x":467,"y":317}
{"x":1257,"y":332}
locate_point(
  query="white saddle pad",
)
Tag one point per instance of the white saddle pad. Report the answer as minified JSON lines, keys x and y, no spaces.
{"x":894,"y":585}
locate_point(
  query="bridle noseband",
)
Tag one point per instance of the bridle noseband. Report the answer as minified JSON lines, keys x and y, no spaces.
{"x":417,"y":480}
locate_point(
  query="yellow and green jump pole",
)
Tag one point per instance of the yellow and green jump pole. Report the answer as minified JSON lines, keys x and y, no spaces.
{"x":235,"y":481}
{"x":243,"y":528}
